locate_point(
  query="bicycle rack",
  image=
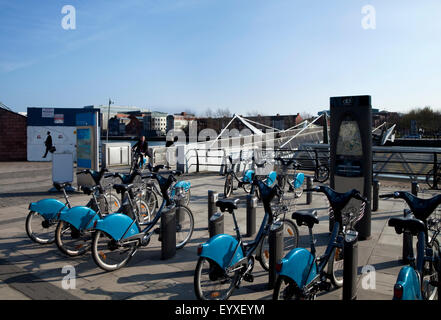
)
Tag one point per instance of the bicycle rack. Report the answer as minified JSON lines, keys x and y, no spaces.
{"x":168,"y":233}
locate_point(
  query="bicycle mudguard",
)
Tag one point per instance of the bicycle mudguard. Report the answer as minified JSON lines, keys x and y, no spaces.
{"x":82,"y":218}
{"x":299,"y":265}
{"x":248,"y":176}
{"x":48,"y":208}
{"x":116,"y":224}
{"x":271,"y":178}
{"x":220,"y":249}
{"x":408,"y":279}
{"x":183,"y":184}
{"x":298,"y":180}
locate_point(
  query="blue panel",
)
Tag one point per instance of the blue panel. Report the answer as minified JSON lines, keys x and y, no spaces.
{"x":116,"y":225}
{"x":70,"y":117}
{"x":84,"y":163}
{"x":80,"y":217}
{"x":299,"y":265}
{"x":220,"y":249}
{"x":48,"y":208}
{"x":85,"y":119}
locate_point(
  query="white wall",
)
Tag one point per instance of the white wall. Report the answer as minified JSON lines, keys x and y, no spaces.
{"x":63,"y":138}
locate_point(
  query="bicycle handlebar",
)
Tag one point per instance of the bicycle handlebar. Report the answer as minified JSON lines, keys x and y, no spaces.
{"x":387,"y":195}
{"x":357,"y":195}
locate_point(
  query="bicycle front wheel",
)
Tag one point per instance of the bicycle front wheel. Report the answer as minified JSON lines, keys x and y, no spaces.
{"x":322,"y":174}
{"x":290,"y":241}
{"x":430,"y":285}
{"x":430,"y":181}
{"x":228,"y":186}
{"x":184,"y":225}
{"x":108,"y":254}
{"x":112,"y":203}
{"x":335,"y":267}
{"x":211,"y":282}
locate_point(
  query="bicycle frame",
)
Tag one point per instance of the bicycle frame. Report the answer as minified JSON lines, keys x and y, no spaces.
{"x":409,"y":280}
{"x":124,"y":229}
{"x":82,"y":217}
{"x":228,"y":251}
{"x":303,"y":267}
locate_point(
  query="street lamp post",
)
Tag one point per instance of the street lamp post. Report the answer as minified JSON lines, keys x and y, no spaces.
{"x":108,"y":118}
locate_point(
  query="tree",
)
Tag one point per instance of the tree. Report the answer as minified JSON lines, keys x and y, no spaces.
{"x":221,"y":113}
{"x":426,"y":119}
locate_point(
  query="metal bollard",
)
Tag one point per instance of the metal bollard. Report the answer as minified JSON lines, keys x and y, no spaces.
{"x":309,"y":181}
{"x":376,"y":191}
{"x":168,"y":233}
{"x":216,"y":224}
{"x":415,"y":188}
{"x":212,"y":198}
{"x":350,"y":265}
{"x":275,"y":240}
{"x":407,"y":242}
{"x":251,"y":215}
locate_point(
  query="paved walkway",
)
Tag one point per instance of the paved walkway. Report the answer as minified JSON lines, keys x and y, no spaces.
{"x":32,"y":271}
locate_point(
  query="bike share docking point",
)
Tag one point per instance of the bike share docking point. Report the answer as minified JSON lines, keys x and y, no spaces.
{"x":415,"y":187}
{"x":251,"y":215}
{"x":309,"y":181}
{"x":350,"y":265}
{"x":275,"y":240}
{"x":407,"y":242}
{"x":375,"y":194}
{"x":216,"y":224}
{"x":351,"y":153}
{"x":212,"y":198}
{"x":168,"y":233}
{"x":407,"y":236}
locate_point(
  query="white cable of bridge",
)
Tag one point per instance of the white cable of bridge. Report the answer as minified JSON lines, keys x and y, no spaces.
{"x":294,"y":136}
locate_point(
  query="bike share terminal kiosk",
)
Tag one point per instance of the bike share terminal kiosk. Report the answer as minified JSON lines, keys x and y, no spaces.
{"x":351,"y":153}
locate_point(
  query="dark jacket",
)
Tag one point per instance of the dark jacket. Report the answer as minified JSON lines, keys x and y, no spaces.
{"x":48,"y":142}
{"x":142,"y":147}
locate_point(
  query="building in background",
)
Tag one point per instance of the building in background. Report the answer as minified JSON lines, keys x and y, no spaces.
{"x":155,"y":124}
{"x":13,"y":136}
{"x":114,"y":110}
{"x":180,"y":121}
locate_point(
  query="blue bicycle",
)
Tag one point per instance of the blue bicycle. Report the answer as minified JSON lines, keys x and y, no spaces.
{"x":420,"y":280}
{"x":224,"y":261}
{"x":44,"y":215}
{"x":301,"y":274}
{"x":118,"y":236}
{"x":233,"y":182}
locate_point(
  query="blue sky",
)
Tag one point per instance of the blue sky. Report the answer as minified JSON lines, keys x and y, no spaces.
{"x":279,"y":56}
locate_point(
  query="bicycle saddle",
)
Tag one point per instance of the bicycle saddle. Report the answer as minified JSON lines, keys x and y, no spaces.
{"x":122,"y":187}
{"x":421,"y":208}
{"x":227,"y":204}
{"x":411,"y":224}
{"x":61,"y":185}
{"x":306,"y":217}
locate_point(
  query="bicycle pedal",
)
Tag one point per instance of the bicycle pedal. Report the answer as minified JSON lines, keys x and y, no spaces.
{"x":157,"y":231}
{"x":248,"y":277}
